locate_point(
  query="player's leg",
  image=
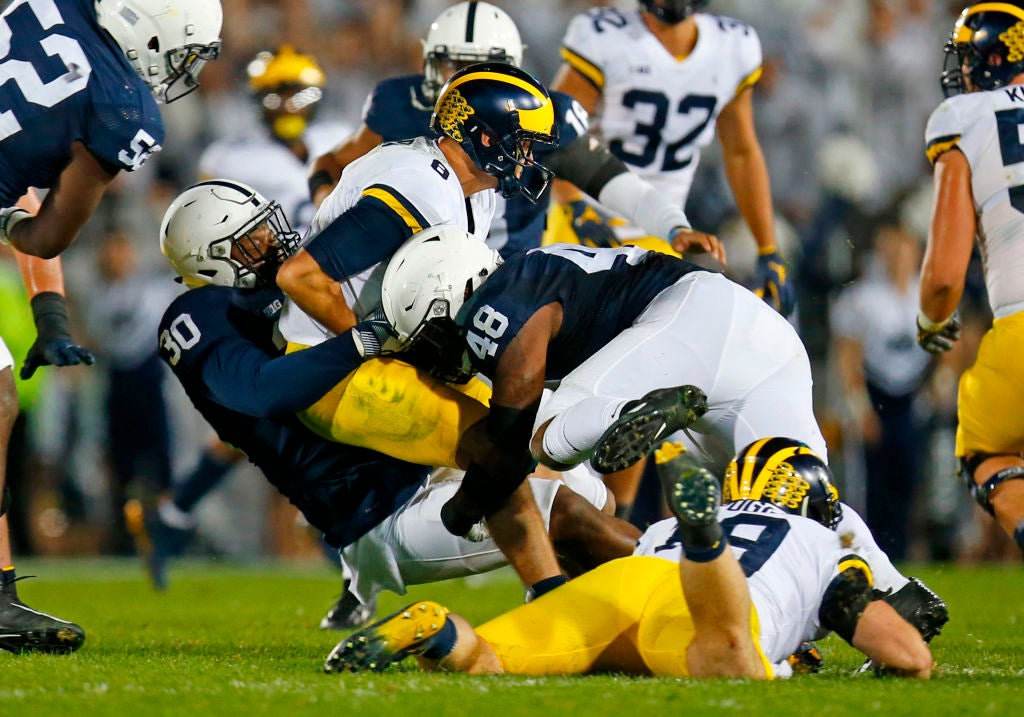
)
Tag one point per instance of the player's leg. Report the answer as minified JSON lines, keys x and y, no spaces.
{"x":990,"y":434}
{"x":22,"y":629}
{"x":712,"y":581}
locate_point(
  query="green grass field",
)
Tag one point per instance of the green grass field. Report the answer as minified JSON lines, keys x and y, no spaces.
{"x":243,"y":640}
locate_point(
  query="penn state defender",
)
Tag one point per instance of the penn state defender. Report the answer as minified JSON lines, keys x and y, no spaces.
{"x":400,"y":108}
{"x":79,"y":101}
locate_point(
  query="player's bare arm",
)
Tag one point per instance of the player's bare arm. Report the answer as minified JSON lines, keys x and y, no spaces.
{"x":316,"y":293}
{"x":66,"y":208}
{"x":892,"y":642}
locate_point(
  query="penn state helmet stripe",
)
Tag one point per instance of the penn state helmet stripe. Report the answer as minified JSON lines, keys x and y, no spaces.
{"x":470,"y":21}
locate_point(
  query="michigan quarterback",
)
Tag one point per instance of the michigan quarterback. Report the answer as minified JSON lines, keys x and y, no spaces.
{"x":400,"y":108}
{"x":78,"y":104}
{"x":974,"y":140}
{"x":664,"y":79}
{"x":685,"y":604}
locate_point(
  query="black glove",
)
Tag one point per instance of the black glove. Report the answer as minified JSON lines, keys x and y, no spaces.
{"x":53,"y":346}
{"x":459,"y":514}
{"x":591,"y":226}
{"x":937,"y":337}
{"x":773,"y":284}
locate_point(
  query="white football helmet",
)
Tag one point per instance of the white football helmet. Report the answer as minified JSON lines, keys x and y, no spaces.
{"x":225,"y":233}
{"x":166,"y":41}
{"x":465,"y":34}
{"x":425,"y":284}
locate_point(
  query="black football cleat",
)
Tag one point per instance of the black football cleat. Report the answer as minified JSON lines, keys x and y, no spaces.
{"x":385,"y":642}
{"x":645,"y":422}
{"x":348,"y":613}
{"x":23,"y":629}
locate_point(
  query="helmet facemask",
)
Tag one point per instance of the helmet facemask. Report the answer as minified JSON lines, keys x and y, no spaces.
{"x":439,"y":347}
{"x":288,"y":87}
{"x":259,"y":248}
{"x":510,"y":159}
{"x":183,"y":67}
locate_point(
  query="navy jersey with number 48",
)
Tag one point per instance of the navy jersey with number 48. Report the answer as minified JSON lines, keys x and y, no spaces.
{"x":63,"y":79}
{"x":602,"y":292}
{"x":219,"y":343}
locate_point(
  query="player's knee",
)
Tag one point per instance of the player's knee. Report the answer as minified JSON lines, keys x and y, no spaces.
{"x":570,"y":513}
{"x":982,"y":481}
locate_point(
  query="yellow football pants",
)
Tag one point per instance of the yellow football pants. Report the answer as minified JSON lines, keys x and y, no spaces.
{"x":628,"y":615}
{"x":990,"y":401}
{"x":389,"y":406}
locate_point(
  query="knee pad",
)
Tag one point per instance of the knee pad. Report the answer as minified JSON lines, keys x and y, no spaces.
{"x":983,"y":492}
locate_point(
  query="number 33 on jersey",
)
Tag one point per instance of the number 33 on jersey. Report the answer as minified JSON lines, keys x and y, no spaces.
{"x":658,"y":112}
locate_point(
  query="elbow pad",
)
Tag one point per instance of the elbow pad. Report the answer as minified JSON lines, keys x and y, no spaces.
{"x":846,"y":598}
{"x":631,"y":196}
{"x":586,"y":163}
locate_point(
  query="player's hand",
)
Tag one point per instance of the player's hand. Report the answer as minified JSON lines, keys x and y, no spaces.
{"x":773,"y":284}
{"x":460,"y":515}
{"x":53,"y":345}
{"x":373,"y":336}
{"x":937,"y":337}
{"x":591,"y":226}
{"x":688,"y":241}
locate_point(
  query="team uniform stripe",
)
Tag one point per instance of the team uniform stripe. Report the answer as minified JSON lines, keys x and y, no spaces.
{"x":749,"y":81}
{"x":746,"y":468}
{"x":591,"y":72}
{"x":393,"y":200}
{"x":856,"y":562}
{"x":470,"y":22}
{"x":940,"y":145}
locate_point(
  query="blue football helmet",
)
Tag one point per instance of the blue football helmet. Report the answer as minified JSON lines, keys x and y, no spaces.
{"x":672,"y":12}
{"x":985,"y":51}
{"x":787,"y":474}
{"x":500,"y":115}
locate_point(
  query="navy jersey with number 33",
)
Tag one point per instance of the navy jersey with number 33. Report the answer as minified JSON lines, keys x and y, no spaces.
{"x":62,"y":79}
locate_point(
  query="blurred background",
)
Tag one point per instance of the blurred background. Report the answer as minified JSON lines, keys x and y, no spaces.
{"x":841,"y":109}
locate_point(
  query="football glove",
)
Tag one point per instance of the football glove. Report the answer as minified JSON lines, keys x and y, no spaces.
{"x":9,"y":218}
{"x":591,"y":226}
{"x":373,"y":336}
{"x":460,"y":515}
{"x":773,"y":284}
{"x":53,"y":345}
{"x":937,"y":337}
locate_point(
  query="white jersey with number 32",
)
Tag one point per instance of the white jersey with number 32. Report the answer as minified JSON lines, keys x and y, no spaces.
{"x":658,"y":111}
{"x":988,"y":127}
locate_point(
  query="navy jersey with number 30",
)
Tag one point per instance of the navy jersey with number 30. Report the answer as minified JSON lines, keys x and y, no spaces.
{"x":602,"y":291}
{"x":62,"y":79}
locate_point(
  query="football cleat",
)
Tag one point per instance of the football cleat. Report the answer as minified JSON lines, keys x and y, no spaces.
{"x":385,"y":642}
{"x":348,"y":613}
{"x":23,"y":629}
{"x":643,"y":423}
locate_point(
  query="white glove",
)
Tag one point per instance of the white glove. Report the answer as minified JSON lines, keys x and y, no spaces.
{"x":9,"y":218}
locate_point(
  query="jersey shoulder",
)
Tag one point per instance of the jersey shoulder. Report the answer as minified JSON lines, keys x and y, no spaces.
{"x":952,"y":120}
{"x":396,"y":108}
{"x":600,"y":35}
{"x":735,"y":47}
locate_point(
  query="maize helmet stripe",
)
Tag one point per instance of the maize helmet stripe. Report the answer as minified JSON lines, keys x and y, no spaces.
{"x":747,"y":464}
{"x":995,"y":7}
{"x":484,"y":75}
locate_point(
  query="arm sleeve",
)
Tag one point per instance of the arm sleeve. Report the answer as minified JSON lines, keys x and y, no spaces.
{"x":631,"y":196}
{"x":360,"y":238}
{"x":243,"y":378}
{"x":846,"y":597}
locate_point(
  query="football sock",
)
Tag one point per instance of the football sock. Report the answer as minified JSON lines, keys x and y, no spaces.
{"x":545,"y":586}
{"x":201,"y":481}
{"x":441,"y":645}
{"x":7,"y":580}
{"x":697,"y":552}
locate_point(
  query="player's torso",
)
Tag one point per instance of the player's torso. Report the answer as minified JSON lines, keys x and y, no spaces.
{"x":988,"y":127}
{"x":601,"y":291}
{"x":397,"y":109}
{"x":657,"y":112}
{"x":64,"y":79}
{"x":789,"y":562}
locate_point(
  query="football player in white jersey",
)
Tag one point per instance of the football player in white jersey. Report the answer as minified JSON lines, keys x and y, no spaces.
{"x":974,"y":139}
{"x":489,"y":118}
{"x":662,"y":80}
{"x":719,"y":591}
{"x":287,"y":86}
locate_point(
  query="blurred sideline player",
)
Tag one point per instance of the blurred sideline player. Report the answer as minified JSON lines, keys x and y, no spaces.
{"x":23,"y":629}
{"x":721,"y":590}
{"x":665,"y":79}
{"x":400,"y":108}
{"x":973,"y":139}
{"x":227,"y":242}
{"x":80,"y":103}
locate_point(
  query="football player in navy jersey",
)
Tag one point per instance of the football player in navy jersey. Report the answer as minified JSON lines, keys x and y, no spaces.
{"x":79,"y":104}
{"x":400,"y":108}
{"x":227,"y":242}
{"x":633,"y":337}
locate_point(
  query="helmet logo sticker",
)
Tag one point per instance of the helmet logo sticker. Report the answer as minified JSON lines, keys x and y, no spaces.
{"x":1013,"y":38}
{"x":454,"y":110}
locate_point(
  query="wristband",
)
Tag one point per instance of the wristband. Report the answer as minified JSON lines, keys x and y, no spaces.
{"x":927,"y":324}
{"x":320,"y":178}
